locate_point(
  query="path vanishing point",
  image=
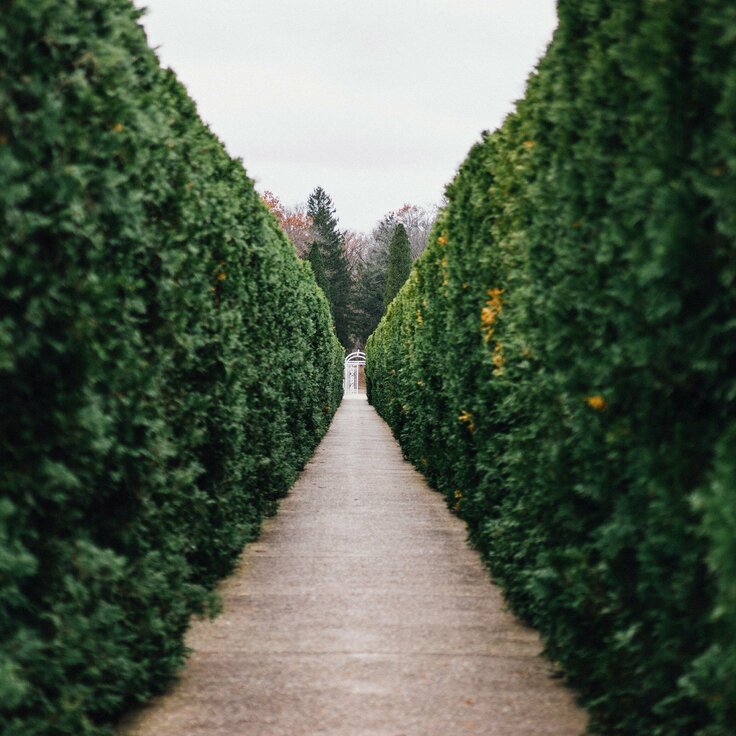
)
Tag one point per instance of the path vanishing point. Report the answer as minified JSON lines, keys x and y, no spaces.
{"x":361,"y":611}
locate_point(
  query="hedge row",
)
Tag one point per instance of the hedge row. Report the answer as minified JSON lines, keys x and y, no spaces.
{"x":167,"y":364}
{"x":561,"y":363}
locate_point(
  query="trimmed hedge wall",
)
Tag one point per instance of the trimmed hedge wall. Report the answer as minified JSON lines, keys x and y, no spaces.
{"x":561,"y":363}
{"x":167,"y":365}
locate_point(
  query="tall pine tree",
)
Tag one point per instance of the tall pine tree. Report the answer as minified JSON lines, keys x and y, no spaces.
{"x":327,"y":255}
{"x":314,"y":256}
{"x":399,"y":263}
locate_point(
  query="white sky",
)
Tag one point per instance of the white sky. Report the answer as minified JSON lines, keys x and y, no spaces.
{"x":376,"y":101}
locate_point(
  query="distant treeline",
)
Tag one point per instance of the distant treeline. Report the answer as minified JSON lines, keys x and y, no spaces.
{"x":360,"y":273}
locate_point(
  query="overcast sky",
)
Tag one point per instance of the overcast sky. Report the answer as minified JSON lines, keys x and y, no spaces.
{"x":376,"y":101}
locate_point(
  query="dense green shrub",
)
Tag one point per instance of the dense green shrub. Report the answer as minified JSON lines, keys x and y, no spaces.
{"x":167,"y":364}
{"x":561,"y":362}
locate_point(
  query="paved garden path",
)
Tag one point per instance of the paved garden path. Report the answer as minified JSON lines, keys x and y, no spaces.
{"x":361,"y":611}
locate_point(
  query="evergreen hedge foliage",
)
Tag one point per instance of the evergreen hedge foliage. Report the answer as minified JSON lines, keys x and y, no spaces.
{"x":167,"y":365}
{"x":561,"y":362}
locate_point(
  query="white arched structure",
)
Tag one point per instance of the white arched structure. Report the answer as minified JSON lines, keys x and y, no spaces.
{"x":351,"y":374}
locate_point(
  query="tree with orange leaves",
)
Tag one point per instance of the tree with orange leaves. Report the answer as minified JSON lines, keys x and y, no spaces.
{"x":294,"y":221}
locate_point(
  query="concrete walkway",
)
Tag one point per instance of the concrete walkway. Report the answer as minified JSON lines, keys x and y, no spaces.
{"x":361,"y":612}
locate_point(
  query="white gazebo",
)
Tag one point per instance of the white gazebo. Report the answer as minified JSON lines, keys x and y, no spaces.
{"x":351,"y":375}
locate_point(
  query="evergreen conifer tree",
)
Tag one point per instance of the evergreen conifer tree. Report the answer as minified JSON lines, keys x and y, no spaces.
{"x":370,"y":285}
{"x":314,"y":256}
{"x":399,"y":263}
{"x":327,"y":255}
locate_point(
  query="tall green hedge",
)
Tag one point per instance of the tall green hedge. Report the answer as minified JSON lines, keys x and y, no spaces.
{"x":562,"y":362}
{"x":167,"y":364}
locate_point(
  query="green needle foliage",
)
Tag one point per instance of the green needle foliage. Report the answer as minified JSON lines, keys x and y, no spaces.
{"x":561,"y":361}
{"x":399,"y":263}
{"x":327,"y":255}
{"x":167,"y":365}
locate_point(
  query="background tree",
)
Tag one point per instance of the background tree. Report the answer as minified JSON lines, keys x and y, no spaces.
{"x":314,"y":256}
{"x":369,"y":274}
{"x":327,"y":250}
{"x":294,"y":221}
{"x":370,"y":285}
{"x":357,"y":246}
{"x":418,"y":222}
{"x":399,"y":263}
{"x":370,"y":279}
